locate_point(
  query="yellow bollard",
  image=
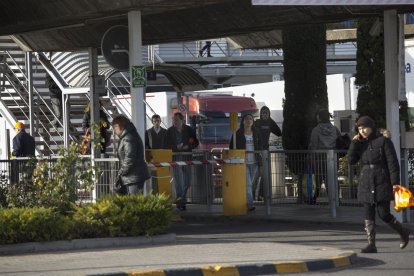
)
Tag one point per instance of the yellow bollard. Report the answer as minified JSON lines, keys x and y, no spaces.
{"x":234,"y":185}
{"x":163,"y":174}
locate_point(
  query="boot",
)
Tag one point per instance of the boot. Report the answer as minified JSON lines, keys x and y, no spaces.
{"x":370,"y":229}
{"x":404,"y":232}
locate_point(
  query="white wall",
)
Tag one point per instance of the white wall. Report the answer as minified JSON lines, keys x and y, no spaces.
{"x":409,"y":74}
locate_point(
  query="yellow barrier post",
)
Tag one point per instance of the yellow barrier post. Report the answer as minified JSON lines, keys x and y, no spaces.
{"x":162,"y":174}
{"x":234,"y":185}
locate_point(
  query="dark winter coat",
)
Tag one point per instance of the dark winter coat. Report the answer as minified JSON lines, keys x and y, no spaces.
{"x":379,"y":168}
{"x":188,"y":137}
{"x":130,"y":151}
{"x":157,"y":139}
{"x":23,"y":145}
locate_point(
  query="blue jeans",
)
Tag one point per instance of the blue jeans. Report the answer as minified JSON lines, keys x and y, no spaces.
{"x":251,"y":171}
{"x":182,"y":179}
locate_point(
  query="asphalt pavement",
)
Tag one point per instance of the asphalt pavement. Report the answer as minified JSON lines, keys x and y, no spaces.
{"x":220,"y":248}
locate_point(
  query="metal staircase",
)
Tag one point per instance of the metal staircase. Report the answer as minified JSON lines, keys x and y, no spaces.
{"x":14,"y":96}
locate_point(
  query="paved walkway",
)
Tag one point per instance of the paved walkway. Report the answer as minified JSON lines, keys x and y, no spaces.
{"x":171,"y":255}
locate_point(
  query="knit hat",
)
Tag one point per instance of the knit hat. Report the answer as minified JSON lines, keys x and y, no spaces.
{"x":365,"y":121}
{"x":324,"y":116}
{"x":18,"y":125}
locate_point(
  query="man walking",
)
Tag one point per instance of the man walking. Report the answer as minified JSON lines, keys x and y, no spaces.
{"x":181,"y":138}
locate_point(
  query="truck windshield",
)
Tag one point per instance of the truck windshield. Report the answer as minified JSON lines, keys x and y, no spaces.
{"x":215,"y":131}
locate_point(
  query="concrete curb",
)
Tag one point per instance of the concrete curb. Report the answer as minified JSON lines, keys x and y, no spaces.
{"x":346,"y":259}
{"x":10,"y":249}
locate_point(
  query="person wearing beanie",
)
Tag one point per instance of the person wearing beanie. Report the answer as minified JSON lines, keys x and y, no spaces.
{"x":380,"y":170}
{"x":323,"y":137}
{"x":23,"y":143}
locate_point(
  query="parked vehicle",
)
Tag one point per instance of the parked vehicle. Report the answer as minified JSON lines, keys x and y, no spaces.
{"x":211,"y":113}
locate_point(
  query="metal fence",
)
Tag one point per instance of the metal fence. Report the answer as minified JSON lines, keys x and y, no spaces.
{"x":286,"y":177}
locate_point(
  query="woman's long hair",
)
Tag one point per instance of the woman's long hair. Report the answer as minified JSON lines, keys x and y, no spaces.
{"x":241,"y":127}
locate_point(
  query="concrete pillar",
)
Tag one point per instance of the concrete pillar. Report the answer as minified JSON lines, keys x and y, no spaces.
{"x":93,"y":95}
{"x":135,"y":59}
{"x":391,"y":76}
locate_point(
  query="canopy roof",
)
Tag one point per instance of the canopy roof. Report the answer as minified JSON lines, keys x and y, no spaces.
{"x":72,"y":25}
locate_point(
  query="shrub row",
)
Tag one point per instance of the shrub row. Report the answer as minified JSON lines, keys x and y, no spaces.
{"x":117,"y":216}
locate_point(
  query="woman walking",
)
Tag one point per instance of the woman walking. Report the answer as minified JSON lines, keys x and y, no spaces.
{"x":249,"y":138}
{"x":380,"y":170}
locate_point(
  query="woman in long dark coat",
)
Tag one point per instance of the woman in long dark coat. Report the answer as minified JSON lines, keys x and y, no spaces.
{"x":380,"y":170}
{"x":133,"y":170}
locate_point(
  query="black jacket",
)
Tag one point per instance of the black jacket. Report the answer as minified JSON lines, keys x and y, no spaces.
{"x":23,"y":145}
{"x":379,"y":168}
{"x":266,"y":127}
{"x":157,"y":139}
{"x":188,"y":137}
{"x":241,"y":140}
{"x":133,"y":167}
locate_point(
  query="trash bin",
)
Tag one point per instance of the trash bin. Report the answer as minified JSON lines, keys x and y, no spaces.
{"x":234,"y":184}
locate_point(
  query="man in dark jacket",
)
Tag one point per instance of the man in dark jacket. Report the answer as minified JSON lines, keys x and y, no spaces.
{"x":380,"y":170}
{"x":133,"y":170}
{"x":23,"y":143}
{"x":181,"y":138}
{"x":154,"y":136}
{"x":323,"y":137}
{"x":266,"y":125}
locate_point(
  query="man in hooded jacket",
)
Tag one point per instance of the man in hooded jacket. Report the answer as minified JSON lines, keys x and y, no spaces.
{"x":265,"y":125}
{"x":323,"y":137}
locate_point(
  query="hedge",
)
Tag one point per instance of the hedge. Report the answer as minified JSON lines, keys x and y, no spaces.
{"x":117,"y":216}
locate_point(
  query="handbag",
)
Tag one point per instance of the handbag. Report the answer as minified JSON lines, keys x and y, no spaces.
{"x":403,"y":198}
{"x":119,"y":187}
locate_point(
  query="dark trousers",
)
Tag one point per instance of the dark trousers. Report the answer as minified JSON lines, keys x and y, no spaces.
{"x":383,"y":209}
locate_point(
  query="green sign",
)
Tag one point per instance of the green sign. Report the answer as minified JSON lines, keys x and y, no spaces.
{"x":139,"y":76}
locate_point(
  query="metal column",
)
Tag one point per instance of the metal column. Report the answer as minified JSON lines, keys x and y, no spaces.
{"x":94,"y":97}
{"x":135,"y":59}
{"x":29,"y":73}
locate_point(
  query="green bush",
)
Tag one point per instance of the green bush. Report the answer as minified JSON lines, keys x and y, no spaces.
{"x":54,"y":184}
{"x":116,"y":216}
{"x":33,"y":224}
{"x":124,"y":216}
